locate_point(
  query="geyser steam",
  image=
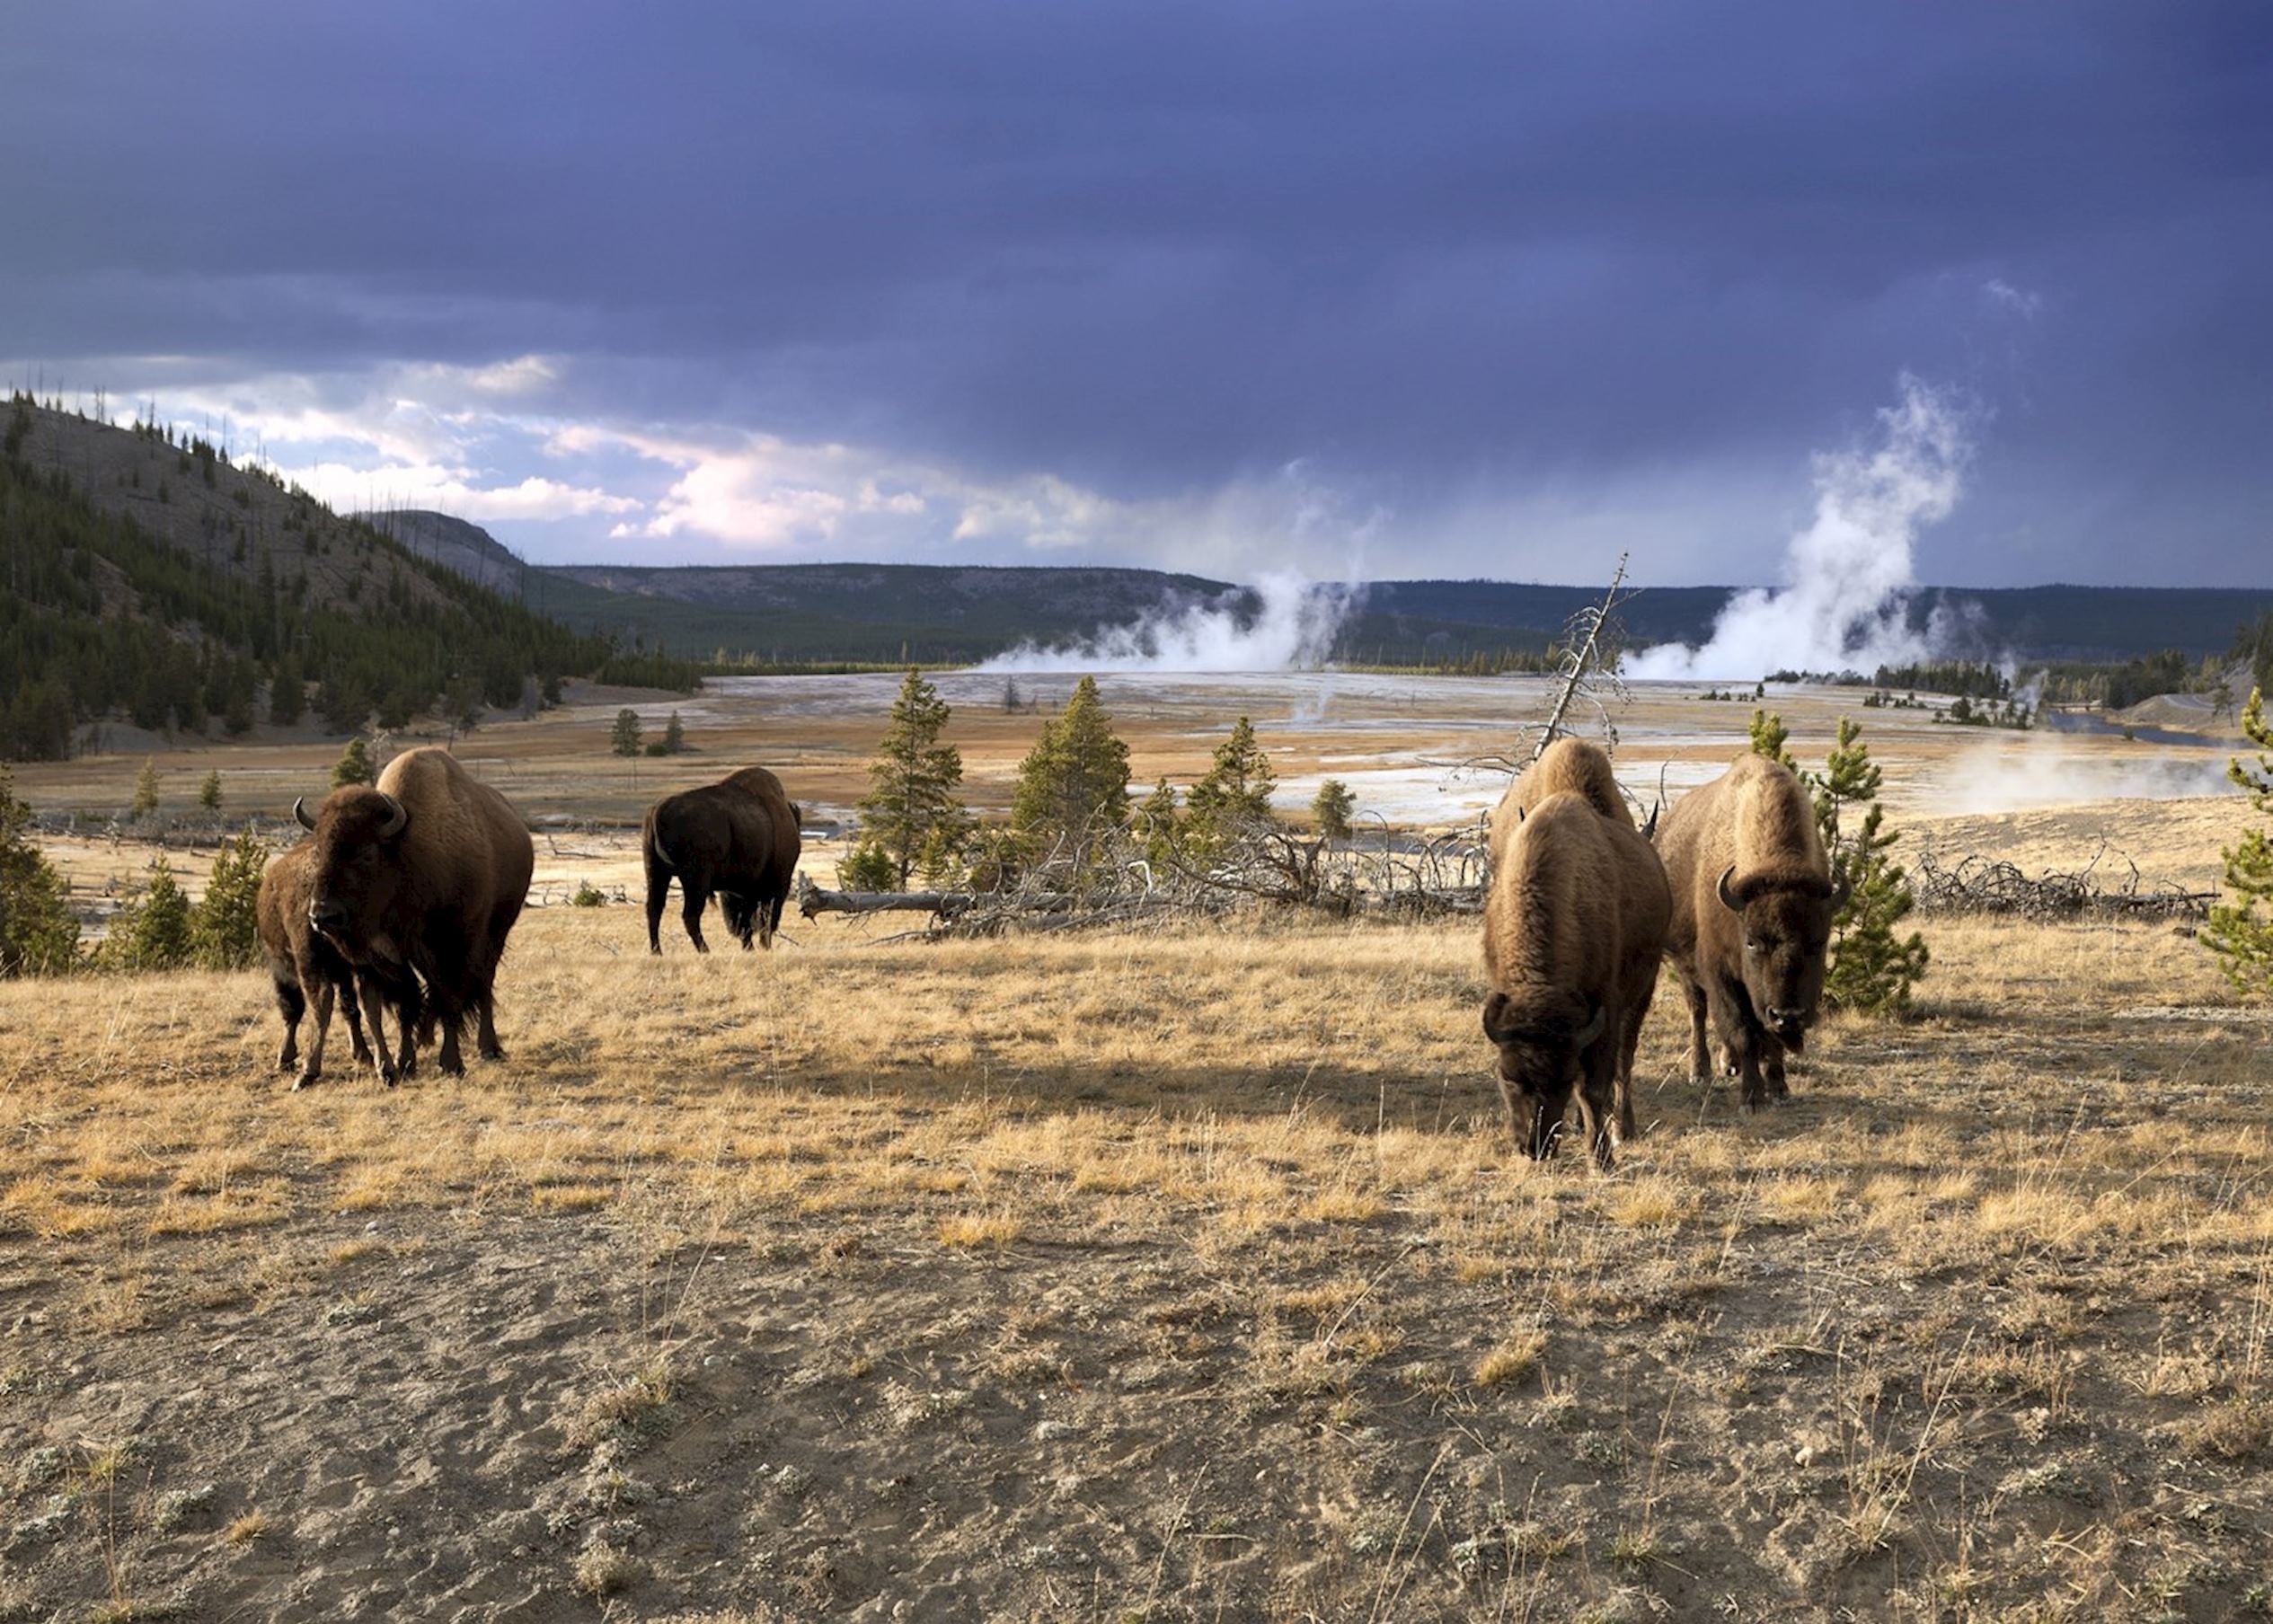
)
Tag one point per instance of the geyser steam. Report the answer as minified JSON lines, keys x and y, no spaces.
{"x":1291,"y":630}
{"x":1847,"y":606}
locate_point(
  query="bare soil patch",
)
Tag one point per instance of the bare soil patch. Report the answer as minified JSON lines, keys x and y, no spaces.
{"x":1177,"y":1277}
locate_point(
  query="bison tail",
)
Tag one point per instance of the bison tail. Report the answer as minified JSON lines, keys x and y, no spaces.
{"x":655,"y":847}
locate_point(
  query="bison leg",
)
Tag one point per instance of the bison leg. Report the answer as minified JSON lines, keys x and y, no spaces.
{"x":312,"y":1069}
{"x":697,"y":899}
{"x":658,"y":892}
{"x":490,"y":1049}
{"x":291,"y":1003}
{"x":1733,"y":1014}
{"x":1772,"y":1049}
{"x":772,"y":917}
{"x":353,"y":1010}
{"x":1699,"y":1053}
{"x":1597,"y":1095}
{"x":379,"y":998}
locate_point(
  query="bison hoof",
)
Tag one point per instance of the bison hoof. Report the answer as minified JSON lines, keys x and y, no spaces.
{"x":492,"y":1053}
{"x":306,"y":1080}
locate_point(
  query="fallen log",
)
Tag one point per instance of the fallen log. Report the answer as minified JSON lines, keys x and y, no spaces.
{"x":812,"y":901}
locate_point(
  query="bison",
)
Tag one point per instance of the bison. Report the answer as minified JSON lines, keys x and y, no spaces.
{"x":426,"y":873}
{"x":1753,"y":901}
{"x":1574,"y":928}
{"x":737,"y":838}
{"x":301,"y":963}
{"x":1582,"y":769}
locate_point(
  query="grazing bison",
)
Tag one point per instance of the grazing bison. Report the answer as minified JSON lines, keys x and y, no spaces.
{"x":1753,"y":900}
{"x":737,"y":838}
{"x":1574,"y":929}
{"x":425,"y":873}
{"x":1581,"y":769}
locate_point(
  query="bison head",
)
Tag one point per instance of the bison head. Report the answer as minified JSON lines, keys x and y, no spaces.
{"x":1540,"y":1046}
{"x":1786,"y":929}
{"x":357,"y":864}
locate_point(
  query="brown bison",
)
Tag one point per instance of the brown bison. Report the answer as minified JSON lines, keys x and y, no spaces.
{"x":1574,"y":929}
{"x":1753,"y":901}
{"x":425,"y":873}
{"x":301,"y":964}
{"x":737,"y":838}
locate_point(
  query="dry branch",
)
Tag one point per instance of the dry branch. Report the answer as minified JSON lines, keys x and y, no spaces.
{"x":1985,"y":885}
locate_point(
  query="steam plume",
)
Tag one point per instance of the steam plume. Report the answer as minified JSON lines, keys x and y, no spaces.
{"x":1291,"y":630}
{"x":1847,"y":606}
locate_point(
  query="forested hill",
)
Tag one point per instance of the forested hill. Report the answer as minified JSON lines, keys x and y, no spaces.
{"x":147,"y":578}
{"x":948,"y":612}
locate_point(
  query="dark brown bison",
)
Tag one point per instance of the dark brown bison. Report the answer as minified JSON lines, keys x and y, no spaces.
{"x":425,"y":873}
{"x":301,"y":964}
{"x":737,"y":838}
{"x":1574,"y":929}
{"x":1753,"y":900}
{"x":305,"y":967}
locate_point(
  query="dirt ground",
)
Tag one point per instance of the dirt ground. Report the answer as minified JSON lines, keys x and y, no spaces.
{"x":1186,"y":1276}
{"x":1180,"y":1274}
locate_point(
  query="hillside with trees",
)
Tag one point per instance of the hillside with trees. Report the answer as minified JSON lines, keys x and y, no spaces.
{"x":149,"y":580}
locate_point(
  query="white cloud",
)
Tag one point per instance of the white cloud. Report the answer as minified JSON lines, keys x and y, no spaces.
{"x":451,"y":490}
{"x":2019,"y":301}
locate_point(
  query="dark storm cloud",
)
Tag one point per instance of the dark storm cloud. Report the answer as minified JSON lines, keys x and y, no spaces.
{"x":1155,"y":248}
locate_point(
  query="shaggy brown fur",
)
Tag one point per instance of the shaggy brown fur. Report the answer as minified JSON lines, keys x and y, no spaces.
{"x":738,"y":838}
{"x":1568,"y":764}
{"x":428,"y":870}
{"x":301,"y":963}
{"x":1752,"y":907}
{"x":1573,"y":931}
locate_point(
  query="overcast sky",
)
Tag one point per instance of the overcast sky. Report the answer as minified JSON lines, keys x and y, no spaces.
{"x":1389,"y":290}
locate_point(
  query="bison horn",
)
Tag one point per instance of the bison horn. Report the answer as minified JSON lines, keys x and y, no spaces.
{"x":1593,"y":1028}
{"x":397,"y":814}
{"x":1728,"y":897}
{"x":1649,"y":829}
{"x":300,"y":811}
{"x":1495,"y":1007}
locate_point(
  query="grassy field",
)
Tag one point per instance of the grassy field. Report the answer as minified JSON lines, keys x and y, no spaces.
{"x":1184,"y":1275}
{"x":1181,"y":1275}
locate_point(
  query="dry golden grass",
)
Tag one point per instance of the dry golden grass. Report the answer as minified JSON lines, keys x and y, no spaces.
{"x":1224,"y":1216}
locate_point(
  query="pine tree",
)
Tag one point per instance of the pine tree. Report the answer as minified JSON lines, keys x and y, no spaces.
{"x":1871,"y":970}
{"x":1333,"y":808}
{"x":152,"y":931}
{"x":1769,"y":735}
{"x":673,"y":736}
{"x":2237,"y":932}
{"x":1233,"y":798}
{"x":1073,"y":787}
{"x":623,"y":738}
{"x":867,"y":867}
{"x":911,"y":798}
{"x":209,"y":792}
{"x":224,"y":930}
{"x":146,"y":789}
{"x":354,"y":766}
{"x":39,"y":933}
{"x":1157,"y":823}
